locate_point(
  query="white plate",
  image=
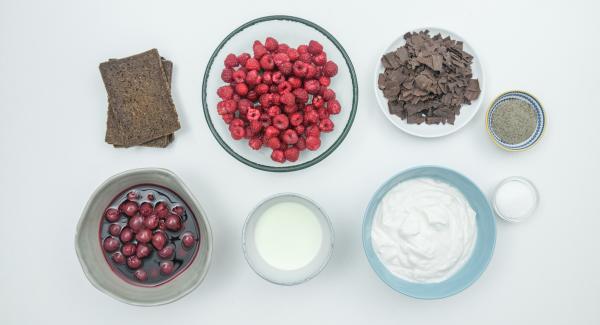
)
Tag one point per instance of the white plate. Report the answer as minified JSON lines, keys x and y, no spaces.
{"x":467,"y":112}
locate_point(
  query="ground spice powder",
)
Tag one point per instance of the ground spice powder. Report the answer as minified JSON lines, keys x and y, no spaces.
{"x":514,"y":121}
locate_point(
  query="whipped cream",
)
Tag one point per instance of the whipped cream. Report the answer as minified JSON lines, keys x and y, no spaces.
{"x":424,"y":230}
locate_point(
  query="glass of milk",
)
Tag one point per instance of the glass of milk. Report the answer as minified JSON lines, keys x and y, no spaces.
{"x":287,"y":239}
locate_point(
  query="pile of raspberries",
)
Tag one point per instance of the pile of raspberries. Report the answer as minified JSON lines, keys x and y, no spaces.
{"x":279,"y":97}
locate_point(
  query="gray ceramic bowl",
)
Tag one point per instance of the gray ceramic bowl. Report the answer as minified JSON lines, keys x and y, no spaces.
{"x":90,"y":252}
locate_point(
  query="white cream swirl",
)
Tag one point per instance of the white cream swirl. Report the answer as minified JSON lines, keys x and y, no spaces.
{"x":424,"y":230}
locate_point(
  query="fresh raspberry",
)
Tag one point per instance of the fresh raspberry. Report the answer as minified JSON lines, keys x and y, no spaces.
{"x":296,"y":119}
{"x":253,"y":114}
{"x":248,"y":132}
{"x":242,"y":58}
{"x":324,"y":81}
{"x":305,"y":57}
{"x":313,"y":143}
{"x":275,"y":97}
{"x":301,"y":144}
{"x":328,"y":94}
{"x":239,"y":76}
{"x":252,"y":77}
{"x":267,"y":63}
{"x":244,"y":105}
{"x":308,"y":108}
{"x":237,"y":132}
{"x":231,"y":61}
{"x":271,"y":44}
{"x":264,"y":100}
{"x":252,"y":64}
{"x":265,"y":120}
{"x":225,"y":92}
{"x":227,"y":75}
{"x":280,"y":58}
{"x":274,"y":111}
{"x":318,"y":101}
{"x":287,"y":98}
{"x":241,"y":89}
{"x":301,"y":95}
{"x":314,"y":47}
{"x":292,"y":153}
{"x":228,"y":117}
{"x":252,"y":95}
{"x":285,"y":68}
{"x":326,"y":125}
{"x":295,"y":82}
{"x":278,"y":156}
{"x":255,"y":143}
{"x":290,"y":109}
{"x":330,"y":69}
{"x":289,"y":136}
{"x":259,"y":50}
{"x":267,"y":77}
{"x":271,"y":131}
{"x":281,"y":121}
{"x":320,"y":59}
{"x":293,"y":54}
{"x":311,"y":71}
{"x":283,"y":48}
{"x":284,"y":87}
{"x":235,"y":123}
{"x":323,"y":113}
{"x":277,"y":77}
{"x":299,"y":68}
{"x":313,"y":131}
{"x":230,"y":106}
{"x":312,"y":86}
{"x":261,"y":89}
{"x":273,"y":143}
{"x":334,"y":107}
{"x":302,"y":49}
{"x":221,"y":108}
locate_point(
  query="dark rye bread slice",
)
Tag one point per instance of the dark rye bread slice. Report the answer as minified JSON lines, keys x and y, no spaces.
{"x":140,"y":98}
{"x":114,"y":128}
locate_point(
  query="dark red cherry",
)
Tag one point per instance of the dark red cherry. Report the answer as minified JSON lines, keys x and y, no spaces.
{"x":166,"y":252}
{"x":136,"y":223}
{"x":129,"y":208}
{"x":144,"y":235}
{"x":132,"y":196}
{"x":159,"y":240}
{"x":188,"y":240}
{"x":129,"y":249}
{"x":114,"y":229}
{"x":143,"y":250}
{"x":178,"y":210}
{"x":110,"y":244}
{"x":133,"y":262}
{"x":166,"y":267}
{"x":126,"y":235}
{"x":151,"y":221}
{"x":173,"y":222}
{"x":141,"y":275}
{"x":112,"y":214}
{"x":118,"y":258}
{"x":146,"y":209}
{"x":161,"y":209}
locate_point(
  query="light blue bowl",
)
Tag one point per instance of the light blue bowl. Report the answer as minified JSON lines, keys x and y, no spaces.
{"x":482,"y":252}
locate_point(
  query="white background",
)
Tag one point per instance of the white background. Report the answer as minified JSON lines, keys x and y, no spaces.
{"x":53,"y":155}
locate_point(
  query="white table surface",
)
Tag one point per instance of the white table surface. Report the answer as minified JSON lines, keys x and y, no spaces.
{"x":52,"y":156}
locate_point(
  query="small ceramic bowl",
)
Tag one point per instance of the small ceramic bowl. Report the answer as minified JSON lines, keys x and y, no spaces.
{"x":467,"y":112}
{"x":539,"y":112}
{"x":91,"y":256}
{"x":292,"y":31}
{"x":482,"y":252}
{"x":287,"y":277}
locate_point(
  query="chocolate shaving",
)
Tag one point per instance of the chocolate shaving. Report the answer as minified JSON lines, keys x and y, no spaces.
{"x":428,"y":79}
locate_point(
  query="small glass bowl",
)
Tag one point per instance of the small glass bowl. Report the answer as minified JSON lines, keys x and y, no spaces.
{"x":287,"y":277}
{"x":293,"y":31}
{"x":526,"y":214}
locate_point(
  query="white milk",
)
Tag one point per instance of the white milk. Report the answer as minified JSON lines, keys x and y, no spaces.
{"x":288,"y":236}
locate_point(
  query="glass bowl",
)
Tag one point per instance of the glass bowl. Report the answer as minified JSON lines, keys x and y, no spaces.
{"x":292,"y":31}
{"x":527,"y":213}
{"x":294,"y":276}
